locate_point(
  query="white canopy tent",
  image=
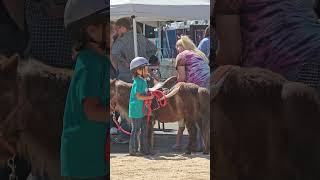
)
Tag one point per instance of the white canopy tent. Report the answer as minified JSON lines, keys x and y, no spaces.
{"x":161,"y":10}
{"x":150,"y":11}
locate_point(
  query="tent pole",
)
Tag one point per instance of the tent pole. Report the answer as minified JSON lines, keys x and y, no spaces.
{"x":135,"y":44}
{"x":144,"y":29}
{"x":160,"y":39}
{"x":168,"y":43}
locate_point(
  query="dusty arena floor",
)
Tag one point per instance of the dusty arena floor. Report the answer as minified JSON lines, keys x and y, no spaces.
{"x":166,"y":164}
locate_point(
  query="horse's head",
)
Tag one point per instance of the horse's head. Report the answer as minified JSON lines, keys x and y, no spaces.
{"x":120,"y":95}
{"x":112,"y":95}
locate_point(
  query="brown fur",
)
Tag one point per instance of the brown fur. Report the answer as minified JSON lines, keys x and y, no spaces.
{"x":302,"y":115}
{"x":122,"y":94}
{"x":185,"y":101}
{"x":259,"y":128}
{"x":8,"y":98}
{"x":37,"y":116}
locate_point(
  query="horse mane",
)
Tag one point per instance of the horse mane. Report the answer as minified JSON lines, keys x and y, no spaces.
{"x":32,"y":67}
{"x":252,"y":82}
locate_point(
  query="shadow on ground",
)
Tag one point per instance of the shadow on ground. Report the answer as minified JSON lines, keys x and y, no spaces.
{"x":168,"y":156}
{"x":176,"y":157}
{"x":164,"y":139}
{"x":163,"y":144}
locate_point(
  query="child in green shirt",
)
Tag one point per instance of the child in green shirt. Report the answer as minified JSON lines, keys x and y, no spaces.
{"x":85,"y":120}
{"x":139,"y":68}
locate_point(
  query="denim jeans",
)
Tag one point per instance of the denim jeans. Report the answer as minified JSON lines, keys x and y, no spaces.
{"x":199,"y":138}
{"x":126,"y":126}
{"x":137,"y":125}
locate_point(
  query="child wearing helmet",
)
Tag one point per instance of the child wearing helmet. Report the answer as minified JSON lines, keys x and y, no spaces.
{"x":139,"y":69}
{"x":86,"y":116}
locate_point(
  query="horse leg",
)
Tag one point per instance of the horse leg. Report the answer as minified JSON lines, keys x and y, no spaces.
{"x":151,"y":133}
{"x":204,"y":117}
{"x":192,"y":130}
{"x":204,"y":127}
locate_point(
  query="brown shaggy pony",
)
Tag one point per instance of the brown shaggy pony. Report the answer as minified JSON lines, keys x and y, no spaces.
{"x":184,"y":101}
{"x":8,"y":98}
{"x":35,"y":94}
{"x":264,"y":127}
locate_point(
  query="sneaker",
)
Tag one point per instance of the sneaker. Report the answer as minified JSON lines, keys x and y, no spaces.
{"x":176,"y":147}
{"x":123,"y":141}
{"x":151,"y":153}
{"x":187,"y":152}
{"x":114,"y":139}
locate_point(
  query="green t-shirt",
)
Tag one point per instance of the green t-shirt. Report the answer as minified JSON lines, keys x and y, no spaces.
{"x":135,"y":106}
{"x":83,"y":141}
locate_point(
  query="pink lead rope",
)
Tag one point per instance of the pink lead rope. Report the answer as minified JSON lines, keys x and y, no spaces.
{"x":147,"y":104}
{"x":161,"y":103}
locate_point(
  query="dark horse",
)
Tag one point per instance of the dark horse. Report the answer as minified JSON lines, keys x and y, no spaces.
{"x":264,"y":127}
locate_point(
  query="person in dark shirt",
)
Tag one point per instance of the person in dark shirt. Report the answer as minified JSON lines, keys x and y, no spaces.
{"x":49,"y":42}
{"x":12,"y":35}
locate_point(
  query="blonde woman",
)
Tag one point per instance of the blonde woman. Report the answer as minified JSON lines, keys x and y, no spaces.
{"x":193,"y":67}
{"x":191,"y":63}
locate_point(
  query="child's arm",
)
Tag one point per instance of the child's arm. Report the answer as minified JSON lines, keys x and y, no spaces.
{"x":155,"y":81}
{"x":95,"y":111}
{"x":144,"y":97}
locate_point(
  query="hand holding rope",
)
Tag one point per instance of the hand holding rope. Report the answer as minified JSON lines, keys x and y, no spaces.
{"x":160,"y":98}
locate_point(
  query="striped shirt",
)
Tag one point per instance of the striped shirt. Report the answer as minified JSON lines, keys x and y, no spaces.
{"x":197,"y":70}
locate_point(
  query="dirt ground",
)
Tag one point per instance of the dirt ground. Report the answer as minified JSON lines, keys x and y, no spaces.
{"x":165,"y":165}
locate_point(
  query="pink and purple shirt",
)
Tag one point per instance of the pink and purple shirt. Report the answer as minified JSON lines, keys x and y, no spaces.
{"x":196,"y":68}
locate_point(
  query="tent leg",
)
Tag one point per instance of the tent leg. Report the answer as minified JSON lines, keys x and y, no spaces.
{"x":134,"y":23}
